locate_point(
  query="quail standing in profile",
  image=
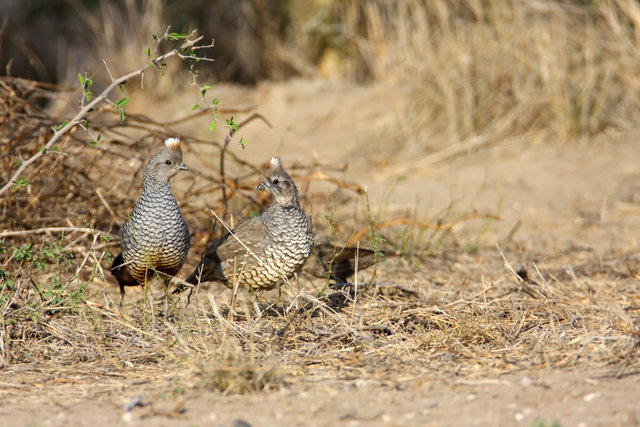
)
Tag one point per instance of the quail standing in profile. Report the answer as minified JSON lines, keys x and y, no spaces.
{"x":264,"y":250}
{"x":155,"y":238}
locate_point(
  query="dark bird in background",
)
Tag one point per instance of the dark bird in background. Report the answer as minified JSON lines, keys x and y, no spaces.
{"x":261,"y":251}
{"x":155,"y":238}
{"x":338,"y":264}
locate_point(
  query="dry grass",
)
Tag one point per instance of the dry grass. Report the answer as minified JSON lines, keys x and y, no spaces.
{"x":467,"y":74}
{"x":124,"y":31}
{"x":476,"y":73}
{"x":507,"y":69}
{"x":455,"y":326}
{"x":446,"y":308}
{"x":435,"y":306}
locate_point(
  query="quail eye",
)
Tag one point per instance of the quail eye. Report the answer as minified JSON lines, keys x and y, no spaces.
{"x":275,"y":181}
{"x":168,"y":162}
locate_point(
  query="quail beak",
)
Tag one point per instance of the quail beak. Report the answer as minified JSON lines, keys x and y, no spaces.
{"x":182,"y":167}
{"x":261,"y":186}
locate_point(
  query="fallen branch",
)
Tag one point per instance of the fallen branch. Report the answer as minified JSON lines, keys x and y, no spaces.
{"x":53,"y":230}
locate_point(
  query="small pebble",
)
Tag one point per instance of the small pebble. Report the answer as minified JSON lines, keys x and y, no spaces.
{"x":589,"y":397}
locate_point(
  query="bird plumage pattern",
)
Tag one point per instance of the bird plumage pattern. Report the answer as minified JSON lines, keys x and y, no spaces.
{"x":263,"y":250}
{"x":155,"y":238}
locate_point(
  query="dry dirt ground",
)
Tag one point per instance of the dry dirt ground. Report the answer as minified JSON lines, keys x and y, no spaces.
{"x":567,"y":209}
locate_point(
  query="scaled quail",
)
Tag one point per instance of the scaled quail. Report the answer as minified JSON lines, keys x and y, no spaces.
{"x":280,"y":240}
{"x":155,"y":238}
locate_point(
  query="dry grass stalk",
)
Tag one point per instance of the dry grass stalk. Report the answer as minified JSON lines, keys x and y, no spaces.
{"x":473,"y":78}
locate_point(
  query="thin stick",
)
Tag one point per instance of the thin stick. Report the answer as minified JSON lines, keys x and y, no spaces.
{"x":355,"y":282}
{"x":86,"y":257}
{"x":105,"y":203}
{"x":52,"y":230}
{"x":236,"y":237}
{"x":508,"y":266}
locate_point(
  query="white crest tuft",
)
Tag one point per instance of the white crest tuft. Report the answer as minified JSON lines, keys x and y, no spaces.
{"x":172,"y":143}
{"x":275,"y":163}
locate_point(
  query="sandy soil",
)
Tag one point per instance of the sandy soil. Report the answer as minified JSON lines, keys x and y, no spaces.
{"x":572,"y":398}
{"x":576,"y":203}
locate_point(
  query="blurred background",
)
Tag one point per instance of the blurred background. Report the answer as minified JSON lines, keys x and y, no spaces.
{"x":416,"y":101}
{"x":566,"y":68}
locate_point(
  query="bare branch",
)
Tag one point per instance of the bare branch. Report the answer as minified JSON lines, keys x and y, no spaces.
{"x":108,"y":70}
{"x":86,"y":109}
{"x":52,"y":230}
{"x":227,"y":140}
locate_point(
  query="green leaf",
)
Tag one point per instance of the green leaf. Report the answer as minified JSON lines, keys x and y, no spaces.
{"x":20,"y":182}
{"x":212,"y":125}
{"x":81,"y":79}
{"x":60,"y":125}
{"x":176,"y":36}
{"x":203,"y":90}
{"x":121,"y":103}
{"x":121,"y":86}
{"x":147,"y":51}
{"x":154,"y":36}
{"x":215,"y":101}
{"x":195,"y":107}
{"x":243,"y":142}
{"x":231,"y":123}
{"x":120,"y":106}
